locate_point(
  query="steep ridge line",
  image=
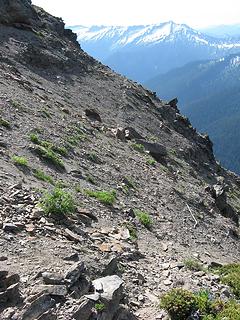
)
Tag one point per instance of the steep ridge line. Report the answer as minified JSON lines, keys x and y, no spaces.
{"x":70,"y":124}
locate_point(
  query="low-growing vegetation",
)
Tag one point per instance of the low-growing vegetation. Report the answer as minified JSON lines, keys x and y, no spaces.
{"x":94,"y":157}
{"x":20,"y":161}
{"x":5,"y":123}
{"x":179,"y":303}
{"x":90,"y":179}
{"x":40,"y":175}
{"x":100,"y":307}
{"x":132,"y":230}
{"x":106,"y":197}
{"x":151,"y":161}
{"x":50,"y":156}
{"x":144,"y":218}
{"x":230,"y":275}
{"x":48,"y":145}
{"x":183,"y":304}
{"x":138,"y":147}
{"x":193,"y":264}
{"x":58,"y":202}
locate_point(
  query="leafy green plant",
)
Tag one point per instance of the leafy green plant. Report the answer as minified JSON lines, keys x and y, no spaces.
{"x":57,"y":202}
{"x":34,"y":138}
{"x":138,"y":147}
{"x":230,"y":275}
{"x":106,"y":197}
{"x":231,"y":311}
{"x":179,"y":303}
{"x":192,"y":264}
{"x":5,"y":123}
{"x":151,"y":161}
{"x":40,"y":175}
{"x":100,"y":307}
{"x":20,"y":161}
{"x":143,"y":218}
{"x":203,"y":301}
{"x":94,"y":157}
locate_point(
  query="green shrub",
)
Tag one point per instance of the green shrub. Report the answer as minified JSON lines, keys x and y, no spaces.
{"x":203,"y":302}
{"x":105,"y":197}
{"x":100,"y":307}
{"x":143,"y":218}
{"x":57,"y":202}
{"x":230,"y":275}
{"x":151,"y":161}
{"x":48,"y":145}
{"x":231,"y":311}
{"x":179,"y":303}
{"x":5,"y":123}
{"x":34,"y":138}
{"x":193,"y":264}
{"x":50,"y":156}
{"x":21,"y":161}
{"x":138,"y":147}
{"x":40,"y":175}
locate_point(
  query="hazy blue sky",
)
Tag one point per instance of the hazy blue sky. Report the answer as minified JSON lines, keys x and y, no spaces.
{"x":196,"y":13}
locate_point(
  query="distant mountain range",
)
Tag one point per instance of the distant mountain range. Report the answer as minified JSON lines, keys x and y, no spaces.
{"x":142,"y":52}
{"x":223,"y":31}
{"x":209,"y":94}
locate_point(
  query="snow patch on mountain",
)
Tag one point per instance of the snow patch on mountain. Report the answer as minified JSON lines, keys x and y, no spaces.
{"x":151,"y":35}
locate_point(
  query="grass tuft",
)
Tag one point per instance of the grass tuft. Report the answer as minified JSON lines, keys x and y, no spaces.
{"x":144,"y":218}
{"x":20,"y":161}
{"x":40,"y":175}
{"x":138,"y":147}
{"x":50,"y":156}
{"x":106,"y":197}
{"x":5,"y":123}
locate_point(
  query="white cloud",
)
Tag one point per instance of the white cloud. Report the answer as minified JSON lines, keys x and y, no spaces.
{"x":128,"y":12}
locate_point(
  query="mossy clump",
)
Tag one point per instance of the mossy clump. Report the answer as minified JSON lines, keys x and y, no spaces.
{"x":106,"y":197}
{"x":58,"y":202}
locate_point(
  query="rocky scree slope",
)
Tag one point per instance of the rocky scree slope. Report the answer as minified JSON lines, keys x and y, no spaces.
{"x":209,"y":95}
{"x":68,"y":121}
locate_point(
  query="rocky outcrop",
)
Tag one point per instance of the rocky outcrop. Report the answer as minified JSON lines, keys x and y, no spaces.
{"x":17,"y":12}
{"x":22,"y":14}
